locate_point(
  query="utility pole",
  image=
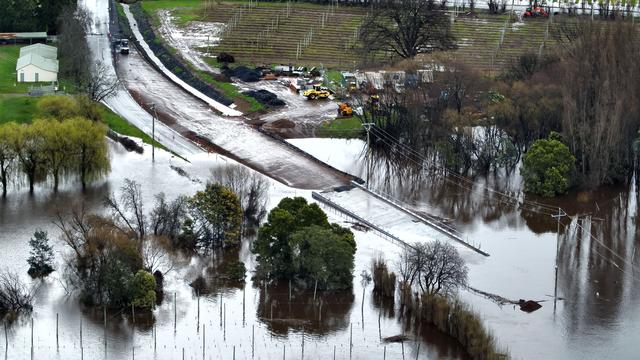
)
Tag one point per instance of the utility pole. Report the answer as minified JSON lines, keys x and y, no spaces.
{"x":367,"y":127}
{"x":561,"y":214}
{"x":153,"y":132}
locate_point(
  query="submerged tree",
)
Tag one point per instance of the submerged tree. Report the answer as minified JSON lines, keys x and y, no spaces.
{"x":41,"y":255}
{"x":298,"y":242}
{"x":88,"y":144}
{"x":436,"y":267}
{"x":251,"y":187}
{"x":548,"y":168}
{"x":217,"y":217}
{"x":601,"y":94}
{"x":8,"y":155}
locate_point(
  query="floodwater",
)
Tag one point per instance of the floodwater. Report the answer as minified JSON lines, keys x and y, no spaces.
{"x":272,"y":323}
{"x":597,"y":272}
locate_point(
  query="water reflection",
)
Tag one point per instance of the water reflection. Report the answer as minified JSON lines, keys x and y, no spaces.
{"x":598,"y":271}
{"x":328,"y":313}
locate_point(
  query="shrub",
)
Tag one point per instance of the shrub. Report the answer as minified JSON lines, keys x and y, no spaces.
{"x":142,"y":289}
{"x":548,"y":168}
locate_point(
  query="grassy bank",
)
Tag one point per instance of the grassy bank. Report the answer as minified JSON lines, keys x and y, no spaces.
{"x":20,"y":109}
{"x":23,"y":109}
{"x":9,"y":55}
{"x":347,"y":127}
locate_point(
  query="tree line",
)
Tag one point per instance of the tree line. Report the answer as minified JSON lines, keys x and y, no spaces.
{"x":31,"y":15}
{"x":52,"y":149}
{"x":471,"y":124}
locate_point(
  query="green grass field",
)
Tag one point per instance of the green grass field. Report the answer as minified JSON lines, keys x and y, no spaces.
{"x":343,"y":127}
{"x":8,"y":58}
{"x":20,"y":109}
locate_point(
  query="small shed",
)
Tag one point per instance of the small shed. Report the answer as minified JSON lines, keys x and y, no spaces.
{"x":35,"y":68}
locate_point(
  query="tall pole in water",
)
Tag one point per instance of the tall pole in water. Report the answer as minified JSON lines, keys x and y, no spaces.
{"x":555,"y":287}
{"x":367,"y":127}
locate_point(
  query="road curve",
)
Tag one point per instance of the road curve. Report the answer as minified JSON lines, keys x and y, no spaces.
{"x":183,"y":114}
{"x":121,"y":102}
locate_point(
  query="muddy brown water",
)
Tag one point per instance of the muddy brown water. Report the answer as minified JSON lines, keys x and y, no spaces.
{"x":270,"y":322}
{"x":598,"y":273}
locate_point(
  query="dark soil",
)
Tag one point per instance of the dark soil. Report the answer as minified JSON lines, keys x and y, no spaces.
{"x":243,"y":73}
{"x":265,"y":97}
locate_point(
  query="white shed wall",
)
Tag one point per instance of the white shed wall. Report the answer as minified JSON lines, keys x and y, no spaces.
{"x":30,"y":71}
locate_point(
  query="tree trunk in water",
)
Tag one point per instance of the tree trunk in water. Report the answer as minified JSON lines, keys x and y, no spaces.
{"x":56,"y":181}
{"x":32,"y":179}
{"x":315,"y":288}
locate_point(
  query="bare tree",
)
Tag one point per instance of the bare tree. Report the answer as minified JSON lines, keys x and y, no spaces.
{"x":436,"y":267}
{"x":129,"y":210}
{"x":167,"y":217}
{"x":251,"y":187}
{"x":73,"y":48}
{"x":601,"y":95}
{"x":154,"y":257}
{"x":102,"y":83}
{"x":15,"y":296}
{"x":407,"y":28}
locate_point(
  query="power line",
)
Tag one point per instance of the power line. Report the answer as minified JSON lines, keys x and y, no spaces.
{"x":523,"y":204}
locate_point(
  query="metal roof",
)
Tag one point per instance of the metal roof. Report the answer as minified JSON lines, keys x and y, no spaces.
{"x":38,"y":61}
{"x":46,"y":51}
{"x":24,"y":35}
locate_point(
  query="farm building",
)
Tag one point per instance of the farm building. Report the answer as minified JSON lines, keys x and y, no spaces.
{"x":37,"y":63}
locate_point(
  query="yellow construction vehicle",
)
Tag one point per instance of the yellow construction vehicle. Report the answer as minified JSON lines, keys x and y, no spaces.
{"x":317,"y":92}
{"x":345,"y":109}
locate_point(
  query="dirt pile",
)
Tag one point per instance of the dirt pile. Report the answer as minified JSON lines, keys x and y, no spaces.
{"x":224,"y":57}
{"x":243,"y":73}
{"x":265,"y":97}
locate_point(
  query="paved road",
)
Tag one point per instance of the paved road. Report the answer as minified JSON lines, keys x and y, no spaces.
{"x":186,"y":115}
{"x":122,"y":103}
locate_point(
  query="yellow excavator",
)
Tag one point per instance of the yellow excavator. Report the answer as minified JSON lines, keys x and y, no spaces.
{"x":345,"y":109}
{"x":317,"y":92}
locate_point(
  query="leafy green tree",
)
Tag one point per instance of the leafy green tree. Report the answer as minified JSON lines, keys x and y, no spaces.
{"x":272,"y":244}
{"x":142,"y":289}
{"x":324,"y":255}
{"x":217,"y":217}
{"x":57,"y":148}
{"x":58,"y":107}
{"x":548,"y":168}
{"x":297,"y":241}
{"x":29,"y":145}
{"x":89,"y":146}
{"x":41,"y":255}
{"x":8,"y":155}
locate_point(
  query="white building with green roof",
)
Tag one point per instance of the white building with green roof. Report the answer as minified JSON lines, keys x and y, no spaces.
{"x":37,"y":63}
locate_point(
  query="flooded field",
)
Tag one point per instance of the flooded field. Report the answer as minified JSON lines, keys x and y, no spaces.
{"x":273,"y":324}
{"x":598,"y":269}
